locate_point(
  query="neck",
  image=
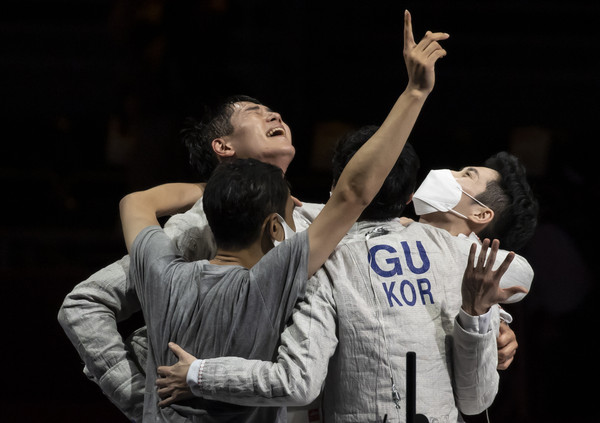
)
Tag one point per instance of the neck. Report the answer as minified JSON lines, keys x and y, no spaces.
{"x":282,"y":161}
{"x":447,"y":221}
{"x":245,"y":257}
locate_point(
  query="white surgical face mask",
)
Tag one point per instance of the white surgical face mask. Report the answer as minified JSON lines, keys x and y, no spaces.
{"x":287,"y":231}
{"x":440,"y":191}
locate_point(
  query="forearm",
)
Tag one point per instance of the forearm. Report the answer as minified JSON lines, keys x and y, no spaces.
{"x":141,"y":209}
{"x":475,"y":361}
{"x":361,"y":179}
{"x":255,"y":383}
{"x":297,"y":377}
{"x":169,"y":199}
{"x":367,"y":170}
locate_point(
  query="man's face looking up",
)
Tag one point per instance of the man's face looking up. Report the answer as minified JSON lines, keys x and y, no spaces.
{"x":261,"y":134}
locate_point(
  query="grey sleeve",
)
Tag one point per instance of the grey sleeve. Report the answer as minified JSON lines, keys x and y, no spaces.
{"x":154,"y":259}
{"x":281,"y":276}
{"x":164,"y":283}
{"x":475,"y":359}
{"x":298,"y":375}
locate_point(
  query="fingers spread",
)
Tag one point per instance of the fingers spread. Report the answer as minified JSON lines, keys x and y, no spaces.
{"x":483,"y":253}
{"x":471,"y":259}
{"x":506,"y":293}
{"x":505,"y":264}
{"x":492,"y":258}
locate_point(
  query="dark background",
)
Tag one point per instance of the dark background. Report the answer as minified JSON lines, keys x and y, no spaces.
{"x":94,"y":93}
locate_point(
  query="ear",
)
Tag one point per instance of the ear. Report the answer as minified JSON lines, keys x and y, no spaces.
{"x":269,"y":232}
{"x":482,"y":216}
{"x":410,"y":199}
{"x":273,"y":229}
{"x":222,"y":148}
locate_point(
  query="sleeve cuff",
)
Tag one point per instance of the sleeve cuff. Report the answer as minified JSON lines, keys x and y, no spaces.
{"x":194,"y":376}
{"x":475,"y":324}
{"x":505,"y":316}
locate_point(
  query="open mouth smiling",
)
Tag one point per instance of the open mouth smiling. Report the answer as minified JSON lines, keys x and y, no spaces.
{"x":276,"y":132}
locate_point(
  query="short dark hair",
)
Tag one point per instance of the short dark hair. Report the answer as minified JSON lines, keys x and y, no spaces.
{"x":197,"y":135}
{"x":239,"y":196}
{"x":512,"y":200}
{"x":391,"y":199}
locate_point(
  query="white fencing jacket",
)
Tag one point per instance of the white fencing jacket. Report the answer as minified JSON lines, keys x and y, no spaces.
{"x":386,"y":290}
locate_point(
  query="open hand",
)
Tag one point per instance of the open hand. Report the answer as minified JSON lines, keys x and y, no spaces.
{"x":171,"y":382}
{"x":481,"y":284}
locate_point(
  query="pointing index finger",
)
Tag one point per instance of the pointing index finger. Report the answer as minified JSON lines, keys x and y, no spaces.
{"x":409,"y":39}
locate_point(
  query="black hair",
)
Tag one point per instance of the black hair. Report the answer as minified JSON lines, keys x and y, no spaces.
{"x":239,"y":196}
{"x":512,"y":200}
{"x":391,"y":199}
{"x":198,"y":135}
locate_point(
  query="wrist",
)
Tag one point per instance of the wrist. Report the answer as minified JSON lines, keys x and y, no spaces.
{"x":416,"y":93}
{"x":194,"y":376}
{"x":475,"y":309}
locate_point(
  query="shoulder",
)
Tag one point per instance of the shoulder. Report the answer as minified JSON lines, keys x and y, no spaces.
{"x":291,"y":254}
{"x":306,"y":214}
{"x":147,"y":238}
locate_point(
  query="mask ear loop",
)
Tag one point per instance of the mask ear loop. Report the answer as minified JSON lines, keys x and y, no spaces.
{"x":458,"y":214}
{"x":287,"y":231}
{"x":475,"y":199}
{"x":472,"y":198}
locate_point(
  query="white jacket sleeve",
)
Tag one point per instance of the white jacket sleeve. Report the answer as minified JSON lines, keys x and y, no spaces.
{"x":475,"y":359}
{"x":298,"y":375}
{"x":90,"y":312}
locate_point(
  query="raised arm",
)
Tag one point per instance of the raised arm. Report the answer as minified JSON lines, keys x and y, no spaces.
{"x":142,"y":209}
{"x":366,"y":171}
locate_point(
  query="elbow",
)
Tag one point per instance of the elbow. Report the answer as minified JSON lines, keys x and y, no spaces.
{"x":126,"y":202}
{"x":356,"y":194}
{"x":310,"y":393}
{"x":293,"y":388}
{"x":302,"y":396}
{"x":304,"y":389}
{"x":67,"y":319}
{"x":64,"y":316}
